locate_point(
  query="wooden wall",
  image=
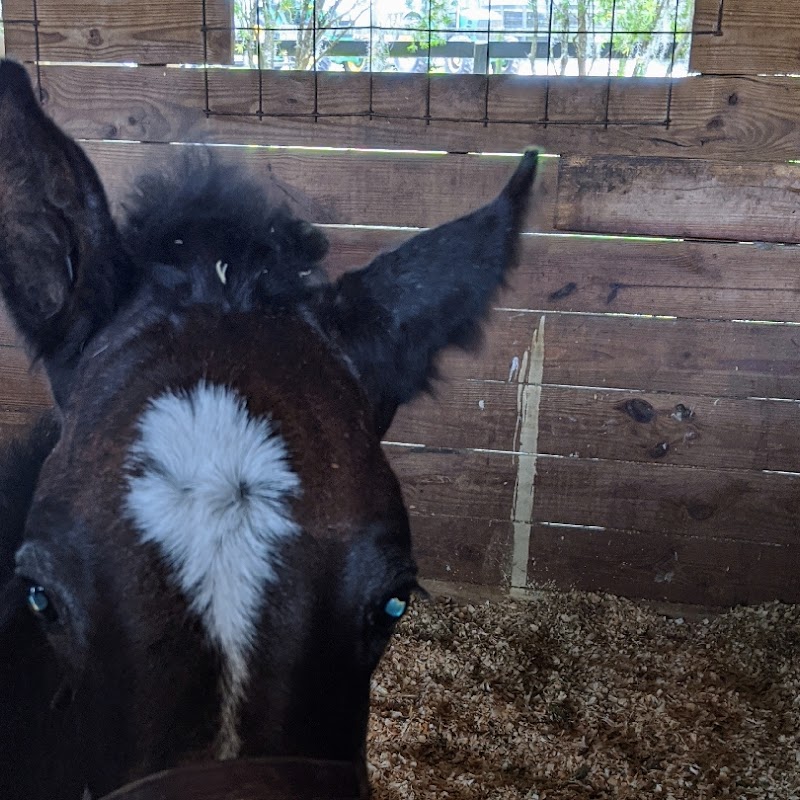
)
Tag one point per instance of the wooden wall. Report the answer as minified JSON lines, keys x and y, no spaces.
{"x":631,"y":424}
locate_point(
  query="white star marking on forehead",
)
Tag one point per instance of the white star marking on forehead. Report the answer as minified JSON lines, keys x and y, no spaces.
{"x":211,"y":485}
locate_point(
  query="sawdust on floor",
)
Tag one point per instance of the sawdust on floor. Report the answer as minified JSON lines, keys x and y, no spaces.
{"x":576,"y":695}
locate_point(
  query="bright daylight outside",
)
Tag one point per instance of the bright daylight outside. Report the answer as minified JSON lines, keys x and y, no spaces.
{"x":646,"y":38}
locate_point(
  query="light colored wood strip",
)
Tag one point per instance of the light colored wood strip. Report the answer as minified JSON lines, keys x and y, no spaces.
{"x":529,"y":397}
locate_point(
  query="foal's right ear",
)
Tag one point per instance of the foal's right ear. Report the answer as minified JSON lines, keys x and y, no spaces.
{"x":62,"y":269}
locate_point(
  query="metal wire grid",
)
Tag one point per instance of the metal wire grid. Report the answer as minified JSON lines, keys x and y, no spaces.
{"x":426,"y":37}
{"x":427,"y":47}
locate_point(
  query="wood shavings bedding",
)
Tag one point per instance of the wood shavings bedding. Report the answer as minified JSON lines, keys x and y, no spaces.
{"x":577,"y":695}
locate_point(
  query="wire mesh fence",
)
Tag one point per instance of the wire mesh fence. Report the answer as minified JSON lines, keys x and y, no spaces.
{"x":595,"y":39}
{"x":648,"y":38}
{"x":600,"y":40}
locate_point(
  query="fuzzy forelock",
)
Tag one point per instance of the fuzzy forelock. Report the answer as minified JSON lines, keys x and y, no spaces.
{"x":210,"y":485}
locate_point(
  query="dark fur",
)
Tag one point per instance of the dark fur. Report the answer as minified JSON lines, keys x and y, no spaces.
{"x":125,"y":682}
{"x":20,"y":463}
{"x":179,"y":217}
{"x":30,"y":722}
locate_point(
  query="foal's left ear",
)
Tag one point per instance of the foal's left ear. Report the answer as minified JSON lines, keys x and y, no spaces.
{"x":393,"y":317}
{"x":61,"y":263}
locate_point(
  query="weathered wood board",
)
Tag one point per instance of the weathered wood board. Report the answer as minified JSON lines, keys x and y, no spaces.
{"x":716,"y":359}
{"x":658,"y":567}
{"x":686,"y":569}
{"x":699,"y":544}
{"x":750,"y":38}
{"x":690,"y":198}
{"x":353,"y":188}
{"x":628,"y":196}
{"x":578,"y":422}
{"x":711,"y":117}
{"x":145,"y":32}
{"x":659,"y":498}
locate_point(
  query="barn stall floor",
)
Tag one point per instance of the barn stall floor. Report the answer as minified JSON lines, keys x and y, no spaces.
{"x":577,"y":695}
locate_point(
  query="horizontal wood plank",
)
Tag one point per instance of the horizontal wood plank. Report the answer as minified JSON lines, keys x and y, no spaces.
{"x":648,"y":498}
{"x":20,"y":386}
{"x":715,"y":359}
{"x":750,"y":38}
{"x":455,"y":483}
{"x":664,"y":567}
{"x":675,"y":429}
{"x":710,"y":117}
{"x":461,"y":413}
{"x":658,"y":567}
{"x":661,"y":498}
{"x":373,"y":188}
{"x":679,"y":429}
{"x":16,"y":422}
{"x":705,"y":280}
{"x":145,"y":32}
{"x":462,"y":549}
{"x":679,"y":197}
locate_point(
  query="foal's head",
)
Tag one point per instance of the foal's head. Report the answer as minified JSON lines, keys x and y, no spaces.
{"x":217,"y":550}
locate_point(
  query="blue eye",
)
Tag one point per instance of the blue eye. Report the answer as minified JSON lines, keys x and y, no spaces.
{"x":39,"y":603}
{"x":395,"y":607}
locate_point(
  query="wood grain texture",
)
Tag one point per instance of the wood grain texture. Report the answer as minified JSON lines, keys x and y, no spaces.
{"x":664,"y":567}
{"x":649,"y":498}
{"x":462,"y":549}
{"x":15,"y":422}
{"x":374,"y":188}
{"x":20,"y":386}
{"x":458,"y":483}
{"x":715,"y":359}
{"x":679,"y":429}
{"x":704,"y":280}
{"x":679,"y":197}
{"x":145,"y":32}
{"x":661,"y":498}
{"x":461,"y":413}
{"x":750,"y":37}
{"x":735,"y":118}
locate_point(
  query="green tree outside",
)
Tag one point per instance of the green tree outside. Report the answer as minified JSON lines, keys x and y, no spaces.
{"x":580,"y":32}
